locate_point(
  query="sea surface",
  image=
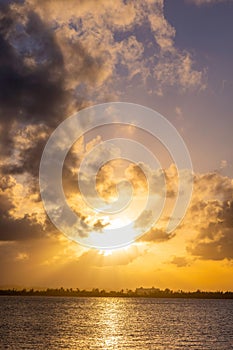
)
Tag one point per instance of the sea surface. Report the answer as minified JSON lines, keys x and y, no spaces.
{"x":55,"y":323}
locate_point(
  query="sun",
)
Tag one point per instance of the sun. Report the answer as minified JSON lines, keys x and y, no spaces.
{"x":109,"y":252}
{"x":106,"y":252}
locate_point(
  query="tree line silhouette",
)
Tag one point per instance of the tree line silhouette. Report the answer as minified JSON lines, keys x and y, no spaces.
{"x":137,"y":293}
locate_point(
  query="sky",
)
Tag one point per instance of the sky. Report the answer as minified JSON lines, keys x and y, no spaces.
{"x":59,"y":57}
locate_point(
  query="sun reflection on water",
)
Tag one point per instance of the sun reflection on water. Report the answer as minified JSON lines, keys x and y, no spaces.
{"x":110,"y":317}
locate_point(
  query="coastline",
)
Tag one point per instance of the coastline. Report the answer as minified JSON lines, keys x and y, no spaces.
{"x":158,"y":294}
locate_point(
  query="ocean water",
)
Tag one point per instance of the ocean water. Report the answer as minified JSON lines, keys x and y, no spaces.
{"x":55,"y":323}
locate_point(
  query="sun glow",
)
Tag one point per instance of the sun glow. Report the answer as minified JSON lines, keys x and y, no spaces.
{"x":106,"y":252}
{"x":109,"y":252}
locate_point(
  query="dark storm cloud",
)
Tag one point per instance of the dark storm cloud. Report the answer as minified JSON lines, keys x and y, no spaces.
{"x":31,"y":92}
{"x":32,"y":88}
{"x":31,"y":70}
{"x":28,"y":159}
{"x":33,"y":80}
{"x":19,"y":229}
{"x":35,"y":95}
{"x":31,"y":85}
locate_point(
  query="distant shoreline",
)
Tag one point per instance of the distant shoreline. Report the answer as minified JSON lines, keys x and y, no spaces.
{"x":138,"y":293}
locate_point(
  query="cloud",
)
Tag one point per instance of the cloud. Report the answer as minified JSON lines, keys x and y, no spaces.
{"x":40,"y":70}
{"x":19,"y":229}
{"x":115,"y":258}
{"x":213,"y":186}
{"x":111,"y":46}
{"x":115,"y":12}
{"x":178,"y":70}
{"x":209,"y":219}
{"x":206,"y":2}
{"x":36,"y":92}
{"x":57,"y":57}
{"x":29,"y":91}
{"x":144,"y":220}
{"x":180,"y":261}
{"x":31,"y":78}
{"x":156,"y":235}
{"x":27,"y":143}
{"x":215,"y":239}
{"x":22,"y":257}
{"x":83,"y":50}
{"x":83,"y":65}
{"x":22,"y":218}
{"x":208,"y":223}
{"x":164,"y":33}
